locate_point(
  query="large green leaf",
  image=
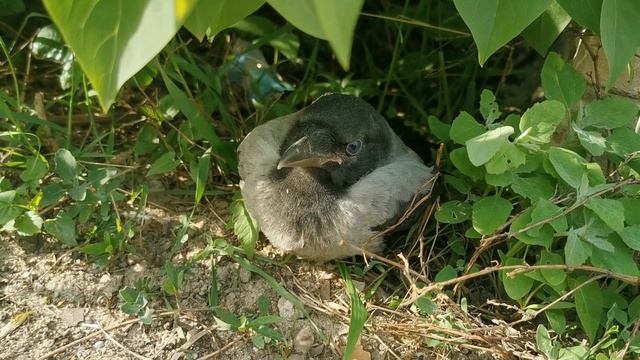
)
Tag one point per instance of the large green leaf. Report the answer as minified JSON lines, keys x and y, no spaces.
{"x":546,"y":28}
{"x":584,"y":12}
{"x":333,"y":20}
{"x":609,"y":210}
{"x":561,"y":81}
{"x":540,"y":120}
{"x":484,"y":146}
{"x":489,"y":213}
{"x":589,"y":303}
{"x":576,"y":251}
{"x":620,"y":34}
{"x":464,"y":127}
{"x":494,"y":22}
{"x":211,"y":17}
{"x":508,"y":157}
{"x":569,"y":165}
{"x":114,"y":39}
{"x":534,"y":188}
{"x":516,"y":286}
{"x":621,"y":260}
{"x":609,"y":113}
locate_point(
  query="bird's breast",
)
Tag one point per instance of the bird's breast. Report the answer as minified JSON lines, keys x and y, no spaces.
{"x":296,"y":208}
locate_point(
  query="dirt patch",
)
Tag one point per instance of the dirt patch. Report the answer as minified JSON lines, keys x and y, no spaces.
{"x":73,"y":302}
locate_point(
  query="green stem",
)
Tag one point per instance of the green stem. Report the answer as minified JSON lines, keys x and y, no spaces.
{"x":5,"y":51}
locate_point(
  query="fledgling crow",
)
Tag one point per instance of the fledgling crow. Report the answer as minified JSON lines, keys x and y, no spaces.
{"x":328,"y":176}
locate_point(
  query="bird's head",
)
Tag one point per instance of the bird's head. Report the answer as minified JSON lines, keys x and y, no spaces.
{"x":340,"y":134}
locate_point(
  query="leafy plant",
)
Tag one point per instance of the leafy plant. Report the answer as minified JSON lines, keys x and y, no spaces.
{"x":538,"y":180}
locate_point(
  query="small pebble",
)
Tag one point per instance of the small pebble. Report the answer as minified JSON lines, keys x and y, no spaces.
{"x":98,"y":345}
{"x":316,"y":351}
{"x":286,"y":309}
{"x":303,"y":341}
{"x":244,"y":275}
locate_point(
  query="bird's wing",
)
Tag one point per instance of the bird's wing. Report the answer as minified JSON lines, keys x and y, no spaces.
{"x":383,"y":194}
{"x":259,"y":152}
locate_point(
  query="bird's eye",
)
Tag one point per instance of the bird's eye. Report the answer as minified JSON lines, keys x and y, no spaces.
{"x":353,"y":148}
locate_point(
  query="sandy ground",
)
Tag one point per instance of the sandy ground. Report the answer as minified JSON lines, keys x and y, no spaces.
{"x":69,"y":298}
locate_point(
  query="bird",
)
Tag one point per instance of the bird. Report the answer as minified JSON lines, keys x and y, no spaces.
{"x":321,"y":182}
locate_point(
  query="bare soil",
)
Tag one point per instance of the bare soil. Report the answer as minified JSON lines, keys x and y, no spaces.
{"x":72,"y":310}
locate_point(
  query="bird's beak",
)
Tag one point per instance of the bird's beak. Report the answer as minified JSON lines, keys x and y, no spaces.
{"x":302,"y":154}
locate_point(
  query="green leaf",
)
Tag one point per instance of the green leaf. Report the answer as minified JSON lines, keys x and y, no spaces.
{"x":8,"y":211}
{"x":447,"y":273}
{"x":540,"y":120}
{"x":490,"y":213}
{"x":504,"y":179}
{"x":533,"y":188}
{"x":334,"y":20}
{"x":561,"y":81}
{"x":438,"y":128}
{"x":631,"y":213}
{"x":165,"y":163}
{"x":465,"y":127}
{"x":146,"y":141}
{"x":453,"y":212}
{"x":287,"y":43}
{"x":620,"y":34}
{"x":197,"y":119}
{"x":576,"y":252}
{"x":28,"y":224}
{"x":301,"y":14}
{"x":36,"y":167}
{"x":609,"y":113}
{"x":589,"y":305}
{"x":425,"y":304}
{"x":609,"y":210}
{"x":174,"y":278}
{"x":48,"y":44}
{"x":358,"y":314}
{"x":554,"y":277}
{"x":519,"y":285}
{"x":584,"y":12}
{"x":460,"y":159}
{"x":484,"y":146}
{"x":201,"y":174}
{"x":494,"y":22}
{"x":113,"y":40}
{"x":620,"y":260}
{"x":244,"y":226}
{"x":545,"y":29}
{"x":461,"y":185}
{"x":63,"y":227}
{"x":624,"y":141}
{"x":543,"y":340}
{"x":211,"y":17}
{"x":557,"y":320}
{"x":597,"y":241}
{"x":78,"y":192}
{"x":543,"y":237}
{"x":488,"y":106}
{"x":545,"y":209}
{"x":569,"y":165}
{"x":509,"y":157}
{"x":591,"y":140}
{"x":66,"y":166}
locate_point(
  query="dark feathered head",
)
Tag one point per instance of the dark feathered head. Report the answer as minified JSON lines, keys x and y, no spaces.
{"x":340,"y":134}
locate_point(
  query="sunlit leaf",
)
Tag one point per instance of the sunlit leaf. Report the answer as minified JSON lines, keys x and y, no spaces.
{"x":620,"y":34}
{"x":113,"y":40}
{"x":494,"y":22}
